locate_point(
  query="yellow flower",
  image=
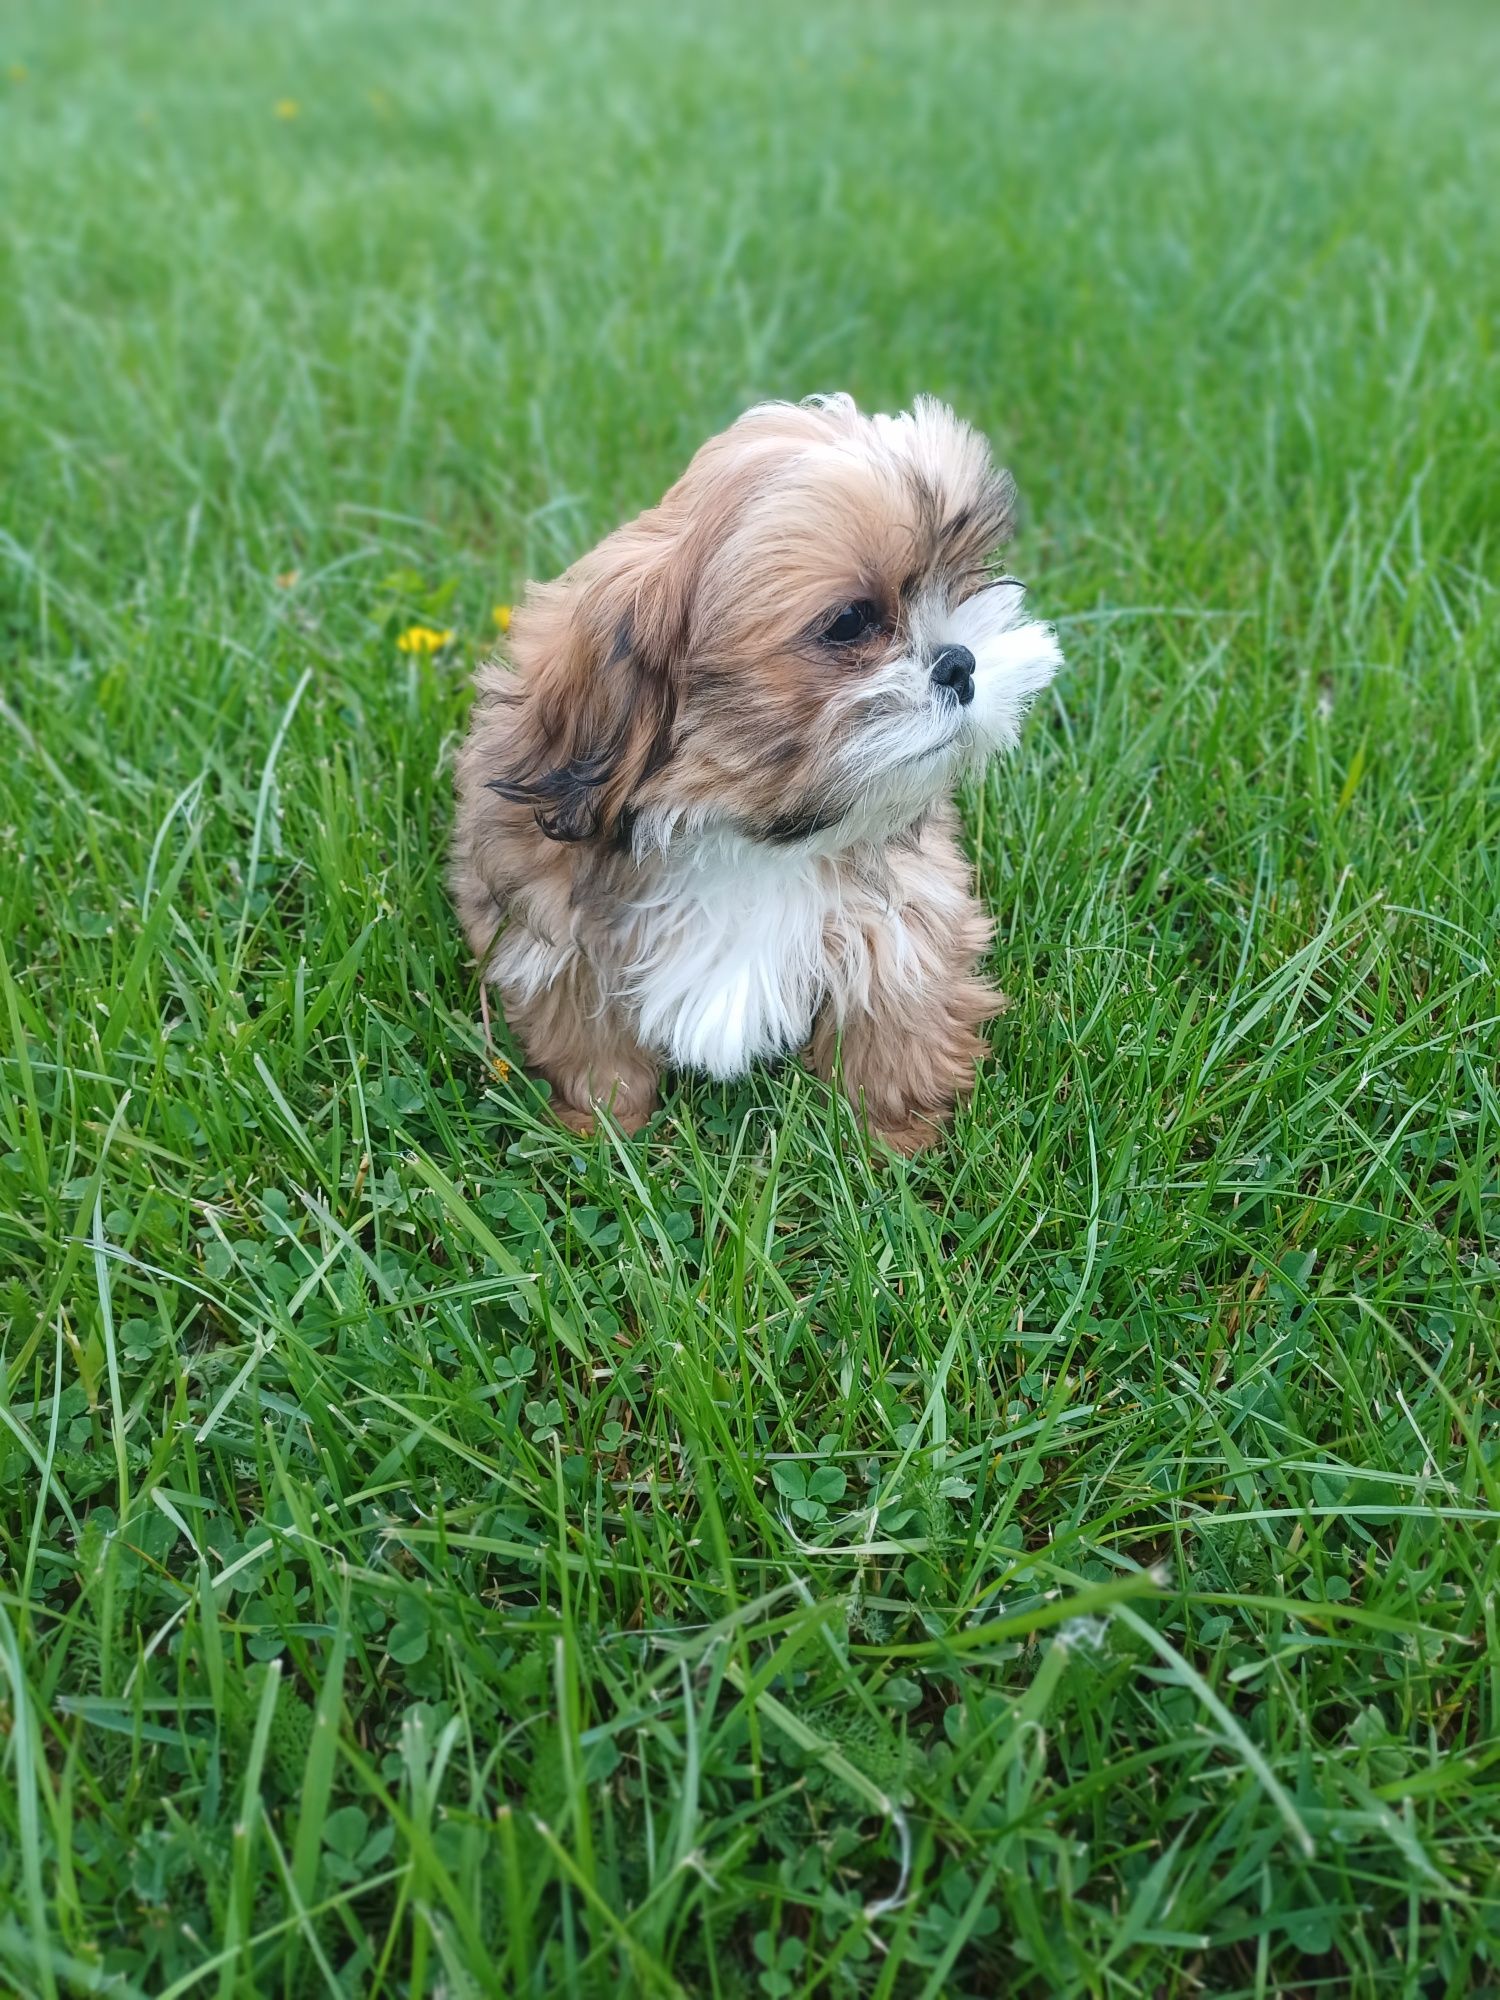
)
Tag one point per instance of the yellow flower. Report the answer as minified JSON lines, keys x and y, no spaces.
{"x":423,"y":639}
{"x":501,"y":1068}
{"x":502,"y":617}
{"x":17,"y":72}
{"x":287,"y":107}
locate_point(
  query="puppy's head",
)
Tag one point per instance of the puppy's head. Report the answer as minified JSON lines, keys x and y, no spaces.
{"x":805,"y":642}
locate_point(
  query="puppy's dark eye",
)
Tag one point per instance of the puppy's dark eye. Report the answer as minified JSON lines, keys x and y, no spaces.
{"x":852,"y":623}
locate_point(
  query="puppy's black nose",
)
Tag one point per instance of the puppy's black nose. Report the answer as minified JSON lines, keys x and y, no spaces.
{"x":954,"y":668}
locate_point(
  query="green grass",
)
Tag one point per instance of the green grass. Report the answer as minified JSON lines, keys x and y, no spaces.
{"x":442,"y":1556}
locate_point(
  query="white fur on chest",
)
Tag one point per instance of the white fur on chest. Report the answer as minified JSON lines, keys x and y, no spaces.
{"x":733,"y":951}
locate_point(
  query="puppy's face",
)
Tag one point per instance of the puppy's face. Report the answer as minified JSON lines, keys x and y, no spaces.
{"x":805,"y":642}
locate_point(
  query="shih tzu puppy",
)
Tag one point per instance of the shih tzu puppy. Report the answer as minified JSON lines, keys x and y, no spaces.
{"x":705,"y":814}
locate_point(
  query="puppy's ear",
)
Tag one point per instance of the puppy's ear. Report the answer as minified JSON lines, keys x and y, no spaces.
{"x":595,"y":654}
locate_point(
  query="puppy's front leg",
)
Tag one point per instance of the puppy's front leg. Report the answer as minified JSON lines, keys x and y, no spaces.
{"x":587,"y":1050}
{"x":910,"y":1058}
{"x":909,"y":1048}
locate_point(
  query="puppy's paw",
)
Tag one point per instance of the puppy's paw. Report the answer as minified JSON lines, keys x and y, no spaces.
{"x":577,"y":1117}
{"x":628,"y":1101}
{"x":914,"y":1135}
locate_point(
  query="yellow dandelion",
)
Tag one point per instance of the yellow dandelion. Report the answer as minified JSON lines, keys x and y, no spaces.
{"x":287,"y":107}
{"x":17,"y":72}
{"x":423,"y":639}
{"x":502,"y":617}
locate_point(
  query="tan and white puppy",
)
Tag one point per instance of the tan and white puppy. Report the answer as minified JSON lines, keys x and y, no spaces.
{"x":704,"y":815}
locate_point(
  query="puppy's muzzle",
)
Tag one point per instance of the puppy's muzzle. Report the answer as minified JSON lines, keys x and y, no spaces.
{"x":953,"y":669}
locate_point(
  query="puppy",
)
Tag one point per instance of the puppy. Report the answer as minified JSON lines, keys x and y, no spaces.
{"x":706,"y":815}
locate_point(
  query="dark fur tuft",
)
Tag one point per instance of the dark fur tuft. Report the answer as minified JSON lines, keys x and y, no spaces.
{"x":564,"y":800}
{"x":567,"y":801}
{"x":794,"y":826}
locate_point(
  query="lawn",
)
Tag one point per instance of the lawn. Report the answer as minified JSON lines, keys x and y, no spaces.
{"x":439,"y":1555}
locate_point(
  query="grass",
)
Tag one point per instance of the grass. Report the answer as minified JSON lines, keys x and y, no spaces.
{"x":442,"y":1556}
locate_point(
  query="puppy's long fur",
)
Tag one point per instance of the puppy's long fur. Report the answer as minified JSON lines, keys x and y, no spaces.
{"x":704,"y":816}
